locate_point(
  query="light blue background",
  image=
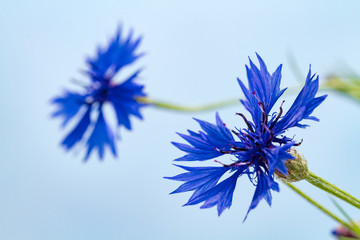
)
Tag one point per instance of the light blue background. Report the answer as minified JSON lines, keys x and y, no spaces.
{"x":195,"y":51}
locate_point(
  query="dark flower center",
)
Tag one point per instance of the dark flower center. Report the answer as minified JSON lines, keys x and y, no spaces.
{"x":254,"y":140}
{"x":98,"y":92}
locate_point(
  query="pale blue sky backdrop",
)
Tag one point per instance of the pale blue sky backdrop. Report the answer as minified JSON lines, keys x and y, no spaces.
{"x":194,"y":52}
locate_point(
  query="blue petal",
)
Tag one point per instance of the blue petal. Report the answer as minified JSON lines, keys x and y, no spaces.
{"x":206,"y":145}
{"x":303,"y":105}
{"x":199,"y":179}
{"x":251,"y":104}
{"x":217,"y":135}
{"x":220,"y":195}
{"x":78,"y":132}
{"x":195,"y":154}
{"x":264,"y":184}
{"x":197,"y":142}
{"x":109,"y":60}
{"x":277,"y":156}
{"x":69,"y":105}
{"x":271,"y":85}
{"x":101,"y":136}
{"x":263,"y":87}
{"x":123,"y":99}
{"x":223,"y":130}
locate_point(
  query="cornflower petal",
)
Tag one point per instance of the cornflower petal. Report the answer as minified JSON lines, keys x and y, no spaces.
{"x":208,"y":144}
{"x":278,"y":156}
{"x":101,"y":136}
{"x":264,"y":185}
{"x":198,"y":179}
{"x":195,"y":154}
{"x":263,"y":87}
{"x":115,"y":56}
{"x":122,"y":98}
{"x":220,"y":195}
{"x":303,"y":106}
{"x":78,"y":132}
{"x":69,"y":105}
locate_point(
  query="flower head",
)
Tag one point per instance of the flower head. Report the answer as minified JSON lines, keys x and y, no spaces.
{"x":102,"y":89}
{"x":259,"y":148}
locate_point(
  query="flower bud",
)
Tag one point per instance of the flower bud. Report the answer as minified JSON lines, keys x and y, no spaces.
{"x":297,"y":168}
{"x":342,"y":233}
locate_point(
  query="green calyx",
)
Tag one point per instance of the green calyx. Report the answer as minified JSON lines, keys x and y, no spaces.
{"x":297,"y":168}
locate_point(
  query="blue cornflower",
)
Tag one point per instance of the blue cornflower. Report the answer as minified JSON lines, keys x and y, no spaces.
{"x":259,"y":149}
{"x":102,"y":89}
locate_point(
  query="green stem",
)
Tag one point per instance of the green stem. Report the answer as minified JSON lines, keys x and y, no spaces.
{"x":175,"y":107}
{"x":319,"y":206}
{"x":332,"y":189}
{"x":356,"y":228}
{"x":207,"y":107}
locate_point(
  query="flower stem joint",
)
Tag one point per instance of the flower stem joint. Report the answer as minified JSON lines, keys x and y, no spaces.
{"x":297,"y":168}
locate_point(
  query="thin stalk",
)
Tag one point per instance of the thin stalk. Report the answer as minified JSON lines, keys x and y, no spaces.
{"x":183,"y":108}
{"x":319,"y":206}
{"x":332,"y":189}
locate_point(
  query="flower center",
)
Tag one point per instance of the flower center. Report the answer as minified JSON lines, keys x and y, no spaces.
{"x":98,"y":92}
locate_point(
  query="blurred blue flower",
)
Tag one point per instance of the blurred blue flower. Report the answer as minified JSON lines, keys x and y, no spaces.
{"x":343,"y":232}
{"x":259,"y":150}
{"x":102,"y":89}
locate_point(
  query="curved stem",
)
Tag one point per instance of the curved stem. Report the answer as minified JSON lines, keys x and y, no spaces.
{"x":182,"y":108}
{"x":319,"y":206}
{"x":332,"y":189}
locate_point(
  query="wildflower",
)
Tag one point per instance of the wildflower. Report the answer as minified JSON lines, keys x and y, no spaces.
{"x":102,"y":89}
{"x":259,"y":149}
